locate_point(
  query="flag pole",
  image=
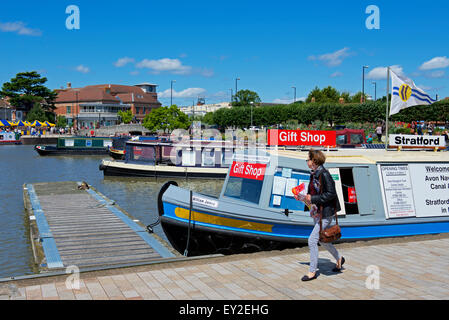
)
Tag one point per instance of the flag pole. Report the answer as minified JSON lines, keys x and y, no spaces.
{"x":386,"y":113}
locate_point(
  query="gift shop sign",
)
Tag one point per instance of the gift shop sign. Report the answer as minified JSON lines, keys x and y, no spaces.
{"x":301,"y":138}
{"x":254,"y":171}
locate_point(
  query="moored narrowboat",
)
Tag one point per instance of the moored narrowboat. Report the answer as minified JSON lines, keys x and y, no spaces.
{"x":77,"y":146}
{"x":382,"y":194}
{"x":9,"y":138}
{"x":198,"y":159}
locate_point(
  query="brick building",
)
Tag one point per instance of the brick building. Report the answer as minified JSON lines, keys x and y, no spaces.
{"x":98,"y":105}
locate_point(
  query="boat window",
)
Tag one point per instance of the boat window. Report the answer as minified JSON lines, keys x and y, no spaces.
{"x":341,"y":139}
{"x":146,"y":154}
{"x":244,"y":189}
{"x":208,"y":157}
{"x":356,"y":138}
{"x":285,"y":179}
{"x":188,"y":157}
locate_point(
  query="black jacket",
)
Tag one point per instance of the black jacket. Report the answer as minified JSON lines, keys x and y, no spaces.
{"x":327,"y":198}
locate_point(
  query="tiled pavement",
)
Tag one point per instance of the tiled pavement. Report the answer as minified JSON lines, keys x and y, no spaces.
{"x":417,"y":269}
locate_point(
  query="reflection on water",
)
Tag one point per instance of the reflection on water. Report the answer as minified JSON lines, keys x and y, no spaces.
{"x":21,"y":164}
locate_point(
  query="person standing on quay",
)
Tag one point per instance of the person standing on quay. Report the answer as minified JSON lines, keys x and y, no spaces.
{"x":324,"y":197}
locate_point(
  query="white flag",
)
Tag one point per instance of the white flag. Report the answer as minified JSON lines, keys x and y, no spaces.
{"x":406,"y":94}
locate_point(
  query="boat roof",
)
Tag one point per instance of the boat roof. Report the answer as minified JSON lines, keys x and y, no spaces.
{"x":369,"y":156}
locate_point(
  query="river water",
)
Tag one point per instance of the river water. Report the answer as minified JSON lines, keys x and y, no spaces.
{"x":21,"y":164}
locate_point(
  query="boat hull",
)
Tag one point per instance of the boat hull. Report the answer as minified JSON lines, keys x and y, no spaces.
{"x":212,"y":233}
{"x":10,"y":142}
{"x":117,"y":154}
{"x":163,"y":171}
{"x":54,"y":151}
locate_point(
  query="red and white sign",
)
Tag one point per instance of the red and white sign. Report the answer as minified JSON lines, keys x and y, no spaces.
{"x":254,"y":171}
{"x":352,"y":197}
{"x":301,"y":138}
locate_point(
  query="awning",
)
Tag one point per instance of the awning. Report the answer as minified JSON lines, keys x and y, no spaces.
{"x":5,"y":123}
{"x":49,"y":124}
{"x":38,"y":124}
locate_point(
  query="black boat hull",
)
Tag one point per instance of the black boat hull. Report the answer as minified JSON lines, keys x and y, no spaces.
{"x":53,"y":151}
{"x":129,"y":172}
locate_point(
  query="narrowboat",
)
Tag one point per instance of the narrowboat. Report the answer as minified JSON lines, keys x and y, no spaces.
{"x":9,"y":138}
{"x":76,"y":146}
{"x":196,"y":159}
{"x":382,"y":194}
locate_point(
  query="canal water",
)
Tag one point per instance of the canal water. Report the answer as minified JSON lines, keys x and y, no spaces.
{"x":21,"y":164}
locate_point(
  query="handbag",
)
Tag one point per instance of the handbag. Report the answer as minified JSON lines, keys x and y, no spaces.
{"x":333,"y":233}
{"x":330,"y":234}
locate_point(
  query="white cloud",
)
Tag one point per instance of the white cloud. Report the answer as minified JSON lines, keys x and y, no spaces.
{"x":82,"y":69}
{"x":336,"y":74}
{"x":20,"y":28}
{"x":173,"y":66}
{"x":187,"y":93}
{"x":287,"y":100}
{"x":123,"y":62}
{"x":435,"y":74}
{"x":435,"y":63}
{"x":380,"y":73}
{"x":333,"y":59}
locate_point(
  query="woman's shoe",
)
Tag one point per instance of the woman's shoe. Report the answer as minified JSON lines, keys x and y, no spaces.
{"x":341,"y":265}
{"x":306,"y":277}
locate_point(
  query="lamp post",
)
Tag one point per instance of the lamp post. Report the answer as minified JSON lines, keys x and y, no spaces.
{"x":375,"y":90}
{"x":232,"y":96}
{"x":294,"y":94}
{"x":362,"y":99}
{"x":171,"y":92}
{"x":236,"y":79}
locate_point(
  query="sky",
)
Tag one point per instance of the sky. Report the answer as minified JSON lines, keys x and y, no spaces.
{"x":271,"y":46}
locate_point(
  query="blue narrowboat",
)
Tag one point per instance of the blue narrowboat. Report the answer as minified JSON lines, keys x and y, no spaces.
{"x":382,"y":194}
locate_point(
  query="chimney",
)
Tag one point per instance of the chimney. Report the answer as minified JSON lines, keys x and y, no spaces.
{"x":69,"y":85}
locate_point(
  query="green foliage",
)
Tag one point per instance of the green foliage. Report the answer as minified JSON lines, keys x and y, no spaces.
{"x":27,"y":89}
{"x":332,"y":95}
{"x":166,"y":119}
{"x":329,"y":113}
{"x":61,"y":122}
{"x":37,"y":113}
{"x":126,"y":116}
{"x":244,"y":97}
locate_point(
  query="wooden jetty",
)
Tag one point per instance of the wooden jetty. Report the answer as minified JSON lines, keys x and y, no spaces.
{"x":75,"y":225}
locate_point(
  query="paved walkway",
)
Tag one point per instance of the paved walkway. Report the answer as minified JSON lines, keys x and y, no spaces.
{"x":417,"y":269}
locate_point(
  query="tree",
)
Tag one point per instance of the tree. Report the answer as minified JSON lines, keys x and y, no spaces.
{"x":36,"y":113}
{"x":126,"y":116}
{"x":27,"y":89}
{"x":61,"y":122}
{"x":325,"y":95}
{"x":244,"y":97}
{"x":166,"y":119}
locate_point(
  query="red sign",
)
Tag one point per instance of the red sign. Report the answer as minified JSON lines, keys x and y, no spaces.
{"x":301,"y":138}
{"x":254,"y":171}
{"x":352,"y":197}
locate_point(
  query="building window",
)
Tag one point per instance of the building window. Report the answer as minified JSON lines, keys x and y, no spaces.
{"x":68,"y":110}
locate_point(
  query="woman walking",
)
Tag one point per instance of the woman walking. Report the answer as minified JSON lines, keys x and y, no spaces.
{"x":322,"y":193}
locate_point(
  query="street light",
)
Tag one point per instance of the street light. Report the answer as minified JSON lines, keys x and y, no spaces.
{"x":232,"y":96}
{"x":362,"y":99}
{"x":236,"y":79}
{"x":171,"y":92}
{"x":294,"y":95}
{"x":375,"y":90}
